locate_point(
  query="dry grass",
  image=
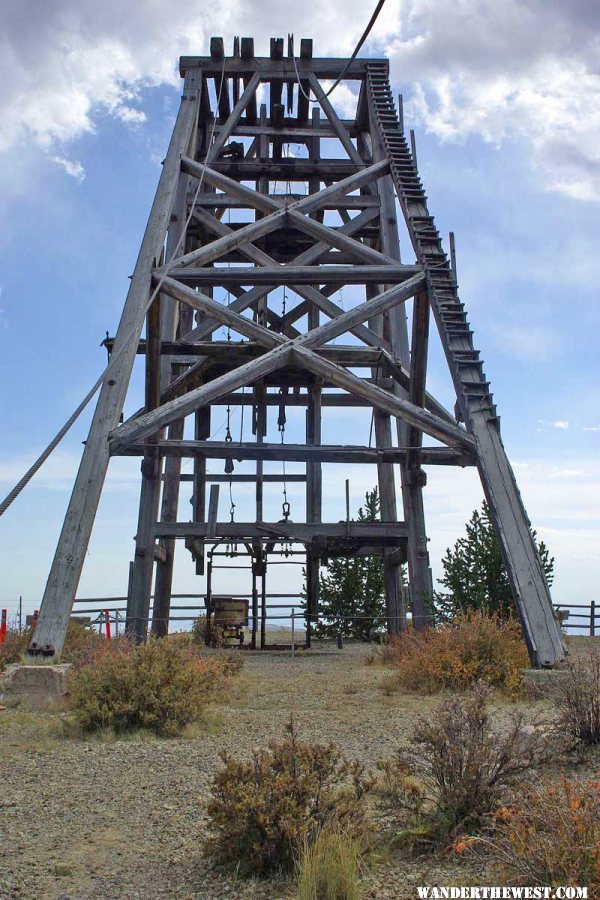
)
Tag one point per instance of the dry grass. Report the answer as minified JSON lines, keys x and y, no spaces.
{"x":329,"y":868}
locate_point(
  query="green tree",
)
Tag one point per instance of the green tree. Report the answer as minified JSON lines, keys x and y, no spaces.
{"x":474,"y":572}
{"x":352,"y":594}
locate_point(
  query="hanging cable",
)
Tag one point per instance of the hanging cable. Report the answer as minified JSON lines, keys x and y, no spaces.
{"x":136,"y":328}
{"x":363,"y":38}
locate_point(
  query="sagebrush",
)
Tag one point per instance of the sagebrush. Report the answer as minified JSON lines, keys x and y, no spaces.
{"x":550,"y":835}
{"x":263,"y":809}
{"x":456,"y":770}
{"x":577,"y":698}
{"x":473,"y":648}
{"x":160,"y":686}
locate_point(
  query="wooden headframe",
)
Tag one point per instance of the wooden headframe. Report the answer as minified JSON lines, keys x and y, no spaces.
{"x":235,"y":212}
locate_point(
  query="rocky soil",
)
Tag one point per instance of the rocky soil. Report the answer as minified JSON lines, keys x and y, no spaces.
{"x":81,"y":820}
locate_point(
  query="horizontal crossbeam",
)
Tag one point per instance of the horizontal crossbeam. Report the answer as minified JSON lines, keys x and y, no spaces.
{"x":186,"y":449}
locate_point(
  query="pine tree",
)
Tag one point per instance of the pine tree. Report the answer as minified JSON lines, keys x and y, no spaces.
{"x":352,"y":595}
{"x":475,"y":576}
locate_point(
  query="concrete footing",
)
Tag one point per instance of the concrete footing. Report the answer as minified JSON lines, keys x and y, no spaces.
{"x":542,"y":682}
{"x":34,"y":687}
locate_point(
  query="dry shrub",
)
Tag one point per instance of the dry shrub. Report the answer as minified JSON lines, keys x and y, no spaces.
{"x":456,"y":770}
{"x":263,"y":810}
{"x":80,"y":643}
{"x":551,"y":836}
{"x":577,"y":697}
{"x":13,"y":648}
{"x":201,"y":629}
{"x":473,"y":648}
{"x":329,"y":867}
{"x":157,"y":686}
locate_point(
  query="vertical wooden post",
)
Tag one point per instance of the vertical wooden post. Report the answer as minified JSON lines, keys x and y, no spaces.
{"x":263,"y":609}
{"x":592,"y":618}
{"x":138,"y":610}
{"x":254,"y":607}
{"x":174,"y":321}
{"x":314,"y":472}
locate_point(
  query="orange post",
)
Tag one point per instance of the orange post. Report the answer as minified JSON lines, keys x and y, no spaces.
{"x":3,"y":626}
{"x":107,"y":624}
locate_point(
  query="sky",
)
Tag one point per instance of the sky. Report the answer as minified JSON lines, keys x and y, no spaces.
{"x":504,"y":99}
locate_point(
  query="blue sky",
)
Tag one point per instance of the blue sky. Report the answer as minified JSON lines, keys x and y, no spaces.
{"x":506,"y":110}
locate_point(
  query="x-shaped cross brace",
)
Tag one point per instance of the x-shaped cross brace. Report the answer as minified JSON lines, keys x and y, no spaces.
{"x":282,"y":351}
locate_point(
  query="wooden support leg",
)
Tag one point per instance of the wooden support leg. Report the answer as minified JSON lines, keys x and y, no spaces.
{"x":419,"y":573}
{"x":72,"y":545}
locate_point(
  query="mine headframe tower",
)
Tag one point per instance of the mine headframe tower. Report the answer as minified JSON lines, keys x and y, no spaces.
{"x":221,"y":227}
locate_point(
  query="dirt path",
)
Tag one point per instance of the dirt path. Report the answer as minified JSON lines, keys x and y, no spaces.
{"x":124,"y":819}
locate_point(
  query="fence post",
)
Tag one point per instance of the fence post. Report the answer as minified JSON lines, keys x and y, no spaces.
{"x":3,"y":626}
{"x":107,"y":624}
{"x":293,"y":634}
{"x":592,"y":618}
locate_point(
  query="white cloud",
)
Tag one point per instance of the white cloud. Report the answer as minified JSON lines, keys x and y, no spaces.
{"x":72,"y":167}
{"x":509,"y":70}
{"x":591,"y":427}
{"x":519,"y":69}
{"x":561,"y":424}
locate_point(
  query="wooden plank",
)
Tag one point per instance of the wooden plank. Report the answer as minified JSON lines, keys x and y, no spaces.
{"x":310,"y":453}
{"x":224,"y":201}
{"x":302,"y":532}
{"x":323,"y":67}
{"x":75,"y":534}
{"x":240,"y":276}
{"x":213,"y":509}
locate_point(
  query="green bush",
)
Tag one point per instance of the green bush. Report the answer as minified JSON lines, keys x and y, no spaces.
{"x":157,"y":686}
{"x":265,"y":809}
{"x":329,"y":867}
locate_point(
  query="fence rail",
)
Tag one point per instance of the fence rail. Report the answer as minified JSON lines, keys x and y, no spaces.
{"x":591,"y":618}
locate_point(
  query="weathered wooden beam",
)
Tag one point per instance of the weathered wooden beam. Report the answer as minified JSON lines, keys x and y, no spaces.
{"x":75,"y":534}
{"x":386,"y":532}
{"x":151,"y":422}
{"x":234,"y":116}
{"x":451,"y":435}
{"x":239,"y":275}
{"x":326,"y":67}
{"x":224,"y":201}
{"x":222,"y":314}
{"x":431,"y":456}
{"x":287,"y":169}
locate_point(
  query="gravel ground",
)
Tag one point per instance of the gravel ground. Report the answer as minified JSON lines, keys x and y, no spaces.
{"x":81,"y":820}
